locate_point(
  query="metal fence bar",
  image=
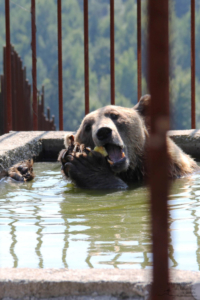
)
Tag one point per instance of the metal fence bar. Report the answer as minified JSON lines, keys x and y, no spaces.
{"x":8,"y":68}
{"x":1,"y":105}
{"x":112,"y":51}
{"x":34,"y":66}
{"x":14,"y":88}
{"x":20,"y":97}
{"x":193,"y":118}
{"x":158,"y":78}
{"x":23,"y":100}
{"x":22,"y":117}
{"x":86,"y":56}
{"x":28,"y":106}
{"x":139,"y":50}
{"x":17,"y":88}
{"x":60,"y":78}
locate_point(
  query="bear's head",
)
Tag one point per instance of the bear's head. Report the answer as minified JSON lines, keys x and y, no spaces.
{"x":121,"y":131}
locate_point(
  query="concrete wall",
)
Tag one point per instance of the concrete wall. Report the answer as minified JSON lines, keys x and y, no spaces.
{"x":98,"y":284}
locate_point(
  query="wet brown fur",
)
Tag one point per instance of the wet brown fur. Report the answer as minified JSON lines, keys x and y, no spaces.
{"x":130,"y":129}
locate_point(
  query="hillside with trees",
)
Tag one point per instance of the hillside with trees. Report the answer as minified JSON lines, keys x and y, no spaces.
{"x":99,"y":54}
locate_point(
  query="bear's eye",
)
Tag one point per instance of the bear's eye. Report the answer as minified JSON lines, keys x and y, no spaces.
{"x":88,"y":127}
{"x":114,"y":116}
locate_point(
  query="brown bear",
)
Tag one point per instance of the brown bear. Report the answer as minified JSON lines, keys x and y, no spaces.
{"x":118,"y":137}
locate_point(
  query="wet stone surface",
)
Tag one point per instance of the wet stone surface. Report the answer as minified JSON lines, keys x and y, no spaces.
{"x":40,"y":145}
{"x":63,"y":284}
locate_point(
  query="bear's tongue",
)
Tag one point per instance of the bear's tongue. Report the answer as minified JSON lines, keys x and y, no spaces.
{"x":115,"y":153}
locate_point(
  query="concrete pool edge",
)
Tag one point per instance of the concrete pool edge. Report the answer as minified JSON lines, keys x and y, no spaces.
{"x":187,"y":140}
{"x":19,"y":145}
{"x":45,"y":145}
{"x":91,"y":283}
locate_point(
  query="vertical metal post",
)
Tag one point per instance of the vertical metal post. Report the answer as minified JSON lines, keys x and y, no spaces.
{"x":60,"y":79}
{"x":13,"y":89}
{"x":86,"y":56}
{"x":20,"y":99}
{"x":34,"y":66}
{"x":139,"y":50}
{"x":112,"y":51}
{"x":8,"y":69}
{"x":193,"y":119}
{"x":158,"y":76}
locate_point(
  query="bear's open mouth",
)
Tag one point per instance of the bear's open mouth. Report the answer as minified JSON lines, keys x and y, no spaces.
{"x":115,"y":154}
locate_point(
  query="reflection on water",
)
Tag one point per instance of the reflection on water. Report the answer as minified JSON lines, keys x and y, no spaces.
{"x":184,"y":213}
{"x":48,"y":223}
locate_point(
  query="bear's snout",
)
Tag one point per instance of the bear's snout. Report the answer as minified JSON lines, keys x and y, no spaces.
{"x":104,"y":133}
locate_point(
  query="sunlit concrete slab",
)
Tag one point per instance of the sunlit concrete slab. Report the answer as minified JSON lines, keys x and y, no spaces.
{"x":188,"y":140}
{"x":20,"y":145}
{"x":98,"y":284}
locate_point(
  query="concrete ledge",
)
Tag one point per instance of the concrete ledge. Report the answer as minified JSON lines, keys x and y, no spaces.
{"x":45,"y":145}
{"x":20,"y":145}
{"x":188,"y":140}
{"x":35,"y":284}
{"x":49,"y":283}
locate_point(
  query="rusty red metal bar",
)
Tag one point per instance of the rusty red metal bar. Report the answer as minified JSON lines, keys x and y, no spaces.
{"x":60,"y":78}
{"x":112,"y":52}
{"x":20,"y":102}
{"x":8,"y":69}
{"x":13,"y":90}
{"x":1,"y":105}
{"x":86,"y":57}
{"x":34,"y":66}
{"x":22,"y":117}
{"x":193,"y":118}
{"x":139,"y":50}
{"x":158,"y":78}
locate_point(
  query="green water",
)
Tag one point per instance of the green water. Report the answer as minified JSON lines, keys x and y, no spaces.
{"x":47,"y":223}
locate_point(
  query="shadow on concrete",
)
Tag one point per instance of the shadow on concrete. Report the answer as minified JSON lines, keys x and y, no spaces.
{"x":193,"y":133}
{"x":8,"y":136}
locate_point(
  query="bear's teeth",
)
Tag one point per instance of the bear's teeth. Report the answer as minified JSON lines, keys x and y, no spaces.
{"x":110,"y":161}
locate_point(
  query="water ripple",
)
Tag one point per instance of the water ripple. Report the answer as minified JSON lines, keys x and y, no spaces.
{"x":48,"y":223}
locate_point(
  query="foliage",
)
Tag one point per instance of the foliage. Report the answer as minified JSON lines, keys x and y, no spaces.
{"x":99,"y":54}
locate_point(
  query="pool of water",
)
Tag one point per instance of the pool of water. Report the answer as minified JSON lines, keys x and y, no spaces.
{"x":47,"y":223}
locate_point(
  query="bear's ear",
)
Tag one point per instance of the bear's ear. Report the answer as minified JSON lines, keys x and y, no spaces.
{"x":143,"y":106}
